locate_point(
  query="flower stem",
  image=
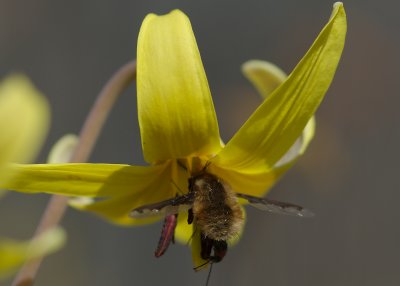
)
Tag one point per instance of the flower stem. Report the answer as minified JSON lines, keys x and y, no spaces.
{"x":87,"y":139}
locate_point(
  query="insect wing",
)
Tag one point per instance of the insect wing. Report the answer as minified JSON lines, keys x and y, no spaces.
{"x":165,"y":208}
{"x":276,"y":206}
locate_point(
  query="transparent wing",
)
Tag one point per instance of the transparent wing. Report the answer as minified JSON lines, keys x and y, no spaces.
{"x":276,"y":206}
{"x":164,"y":208}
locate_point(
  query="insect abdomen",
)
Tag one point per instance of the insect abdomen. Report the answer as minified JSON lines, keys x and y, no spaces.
{"x":218,"y":223}
{"x":215,"y":208}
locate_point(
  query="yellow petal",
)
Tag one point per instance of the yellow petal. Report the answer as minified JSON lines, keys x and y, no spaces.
{"x":176,"y":112}
{"x":265,"y":76}
{"x":183,"y":230}
{"x":90,"y":180}
{"x":255,"y":184}
{"x":279,"y":121}
{"x":299,"y":146}
{"x":198,"y":262}
{"x":14,"y":253}
{"x":160,"y":185}
{"x":63,"y":149}
{"x":116,"y":209}
{"x":24,"y":119}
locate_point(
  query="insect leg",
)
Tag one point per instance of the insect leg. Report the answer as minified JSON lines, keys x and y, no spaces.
{"x":220,"y":248}
{"x":206,"y":247}
{"x":190,"y":216}
{"x":167,"y":234}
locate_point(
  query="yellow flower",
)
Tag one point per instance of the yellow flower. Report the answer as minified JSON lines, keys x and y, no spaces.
{"x":24,"y":120}
{"x":14,"y":253}
{"x":179,"y":127}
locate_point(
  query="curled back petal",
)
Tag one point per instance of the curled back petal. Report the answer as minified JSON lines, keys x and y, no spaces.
{"x":14,"y":253}
{"x":63,"y":149}
{"x":89,"y":180}
{"x":265,"y":76}
{"x":176,"y":112}
{"x":278,"y":122}
{"x":299,"y":146}
{"x":24,"y":120}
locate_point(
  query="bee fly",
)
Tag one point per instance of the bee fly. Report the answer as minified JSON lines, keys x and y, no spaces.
{"x":215,"y":209}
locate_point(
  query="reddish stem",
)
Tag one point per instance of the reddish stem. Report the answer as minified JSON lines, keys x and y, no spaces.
{"x":87,"y":138}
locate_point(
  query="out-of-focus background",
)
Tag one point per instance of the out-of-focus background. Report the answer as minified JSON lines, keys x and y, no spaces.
{"x":348,"y":177}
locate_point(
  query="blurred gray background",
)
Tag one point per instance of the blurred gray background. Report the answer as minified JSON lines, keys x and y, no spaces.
{"x":348,"y":177}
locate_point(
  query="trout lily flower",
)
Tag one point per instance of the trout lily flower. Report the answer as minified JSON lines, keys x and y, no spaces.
{"x":14,"y":253}
{"x":24,"y":119}
{"x":179,"y":130}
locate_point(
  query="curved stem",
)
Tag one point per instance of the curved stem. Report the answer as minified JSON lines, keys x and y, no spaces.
{"x":87,"y":139}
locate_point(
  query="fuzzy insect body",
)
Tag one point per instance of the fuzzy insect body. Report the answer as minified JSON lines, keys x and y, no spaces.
{"x":213,"y":206}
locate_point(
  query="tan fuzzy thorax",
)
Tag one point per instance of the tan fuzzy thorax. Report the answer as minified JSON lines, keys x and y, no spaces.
{"x":216,"y":208}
